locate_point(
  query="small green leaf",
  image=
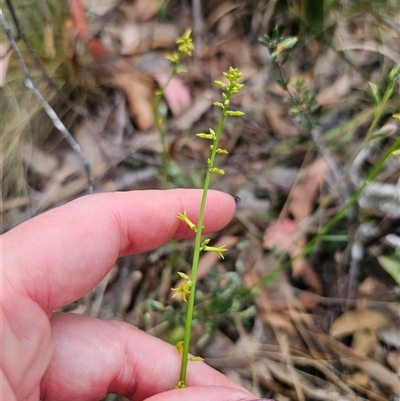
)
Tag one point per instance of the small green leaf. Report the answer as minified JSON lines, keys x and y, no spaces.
{"x":275,"y":33}
{"x":265,"y":41}
{"x":281,"y":83}
{"x":155,"y":305}
{"x":393,"y":74}
{"x":334,"y":238}
{"x":287,"y":43}
{"x":391,"y":265}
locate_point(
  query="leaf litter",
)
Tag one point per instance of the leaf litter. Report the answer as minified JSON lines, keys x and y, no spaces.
{"x":327,"y":326}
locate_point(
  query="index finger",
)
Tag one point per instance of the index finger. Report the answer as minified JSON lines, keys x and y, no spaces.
{"x":57,"y":257}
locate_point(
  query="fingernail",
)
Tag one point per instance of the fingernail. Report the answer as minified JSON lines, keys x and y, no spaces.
{"x":238,"y":201}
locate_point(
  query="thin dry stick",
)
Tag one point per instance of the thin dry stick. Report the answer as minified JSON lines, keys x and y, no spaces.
{"x":268,"y":15}
{"x":198,"y":25}
{"x":46,"y":107}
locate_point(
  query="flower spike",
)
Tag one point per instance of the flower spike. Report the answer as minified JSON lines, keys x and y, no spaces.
{"x":228,"y":88}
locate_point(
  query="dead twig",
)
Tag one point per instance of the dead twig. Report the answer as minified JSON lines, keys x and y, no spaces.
{"x":198,"y":27}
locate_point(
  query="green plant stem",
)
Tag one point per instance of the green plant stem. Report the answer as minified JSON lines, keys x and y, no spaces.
{"x":160,"y":127}
{"x":196,"y":255}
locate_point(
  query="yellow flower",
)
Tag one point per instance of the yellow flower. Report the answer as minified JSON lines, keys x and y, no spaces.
{"x":204,"y":247}
{"x":179,"y":346}
{"x":185,"y":219}
{"x":185,"y":43}
{"x":184,"y":288}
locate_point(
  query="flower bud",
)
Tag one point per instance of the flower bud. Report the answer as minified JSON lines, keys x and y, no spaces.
{"x":234,"y":113}
{"x":205,"y":136}
{"x":373,"y":92}
{"x":221,"y":84}
{"x":218,"y":171}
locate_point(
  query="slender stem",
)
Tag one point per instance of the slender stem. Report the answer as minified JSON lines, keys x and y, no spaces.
{"x":160,"y":127}
{"x":196,"y":255}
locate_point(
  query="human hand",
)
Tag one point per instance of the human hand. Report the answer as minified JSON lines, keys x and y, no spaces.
{"x":56,"y":258}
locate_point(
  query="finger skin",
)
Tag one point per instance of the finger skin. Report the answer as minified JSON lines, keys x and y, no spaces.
{"x":115,"y":357}
{"x":57,"y":257}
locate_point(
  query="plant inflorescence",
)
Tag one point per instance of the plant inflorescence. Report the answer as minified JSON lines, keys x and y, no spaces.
{"x":188,"y":287}
{"x":185,"y":47}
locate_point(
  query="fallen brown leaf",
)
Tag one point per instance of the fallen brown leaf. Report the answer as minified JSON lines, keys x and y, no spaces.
{"x":200,"y":105}
{"x":279,"y":122}
{"x":138,"y":89}
{"x":138,"y":38}
{"x":140,"y":10}
{"x":351,"y":359}
{"x":303,"y":195}
{"x":283,"y":235}
{"x":355,"y":320}
{"x":286,"y":236}
{"x":393,"y":360}
{"x":364,"y":341}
